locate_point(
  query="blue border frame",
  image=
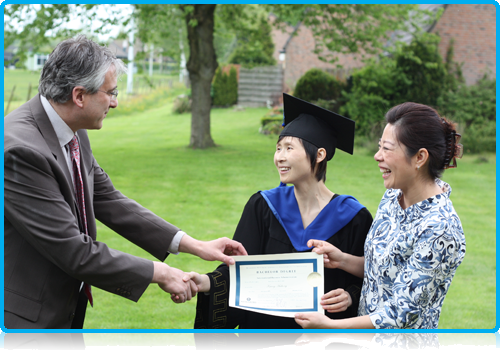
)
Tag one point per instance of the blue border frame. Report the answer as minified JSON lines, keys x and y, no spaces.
{"x":267,"y":262}
{"x":493,"y":330}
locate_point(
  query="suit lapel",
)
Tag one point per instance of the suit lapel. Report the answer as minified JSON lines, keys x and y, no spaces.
{"x":48,"y":133}
{"x":46,"y":129}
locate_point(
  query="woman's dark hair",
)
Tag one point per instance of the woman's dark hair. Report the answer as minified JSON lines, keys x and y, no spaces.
{"x":420,"y":126}
{"x":312,"y":153}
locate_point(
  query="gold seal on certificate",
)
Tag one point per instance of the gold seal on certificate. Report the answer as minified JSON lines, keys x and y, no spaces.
{"x":281,"y":284}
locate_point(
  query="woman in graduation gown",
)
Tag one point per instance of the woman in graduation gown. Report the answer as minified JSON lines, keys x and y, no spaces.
{"x":283,"y":219}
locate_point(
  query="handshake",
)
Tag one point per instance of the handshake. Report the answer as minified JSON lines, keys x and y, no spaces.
{"x":183,"y":286}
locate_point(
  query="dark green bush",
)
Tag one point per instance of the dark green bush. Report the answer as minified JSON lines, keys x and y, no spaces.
{"x":316,"y":85}
{"x":422,"y":69}
{"x":225,"y":88}
{"x":373,"y":92}
{"x":414,"y":72}
{"x":474,"y":109}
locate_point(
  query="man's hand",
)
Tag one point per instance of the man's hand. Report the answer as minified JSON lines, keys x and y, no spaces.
{"x":214,"y":250}
{"x":171,"y":280}
{"x":201,"y":284}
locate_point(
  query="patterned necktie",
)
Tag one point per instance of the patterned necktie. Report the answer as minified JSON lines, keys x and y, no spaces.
{"x":74,"y":149}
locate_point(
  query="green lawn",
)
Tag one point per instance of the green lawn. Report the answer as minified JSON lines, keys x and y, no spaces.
{"x":143,"y":93}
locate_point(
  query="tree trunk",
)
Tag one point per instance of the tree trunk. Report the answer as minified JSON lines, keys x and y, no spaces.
{"x":201,"y":66}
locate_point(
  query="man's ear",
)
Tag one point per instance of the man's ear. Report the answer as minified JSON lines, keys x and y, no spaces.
{"x":321,"y":155}
{"x":79,"y":95}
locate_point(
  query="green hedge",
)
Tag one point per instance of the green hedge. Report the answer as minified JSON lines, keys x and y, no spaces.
{"x":319,"y":86}
{"x":225,"y":88}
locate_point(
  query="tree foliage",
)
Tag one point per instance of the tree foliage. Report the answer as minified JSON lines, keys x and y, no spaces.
{"x":254,"y":44}
{"x":35,"y":27}
{"x":347,"y":28}
{"x":163,"y":26}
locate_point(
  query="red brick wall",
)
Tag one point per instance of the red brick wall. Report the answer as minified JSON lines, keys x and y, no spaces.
{"x":474,"y":29}
{"x":300,"y":56}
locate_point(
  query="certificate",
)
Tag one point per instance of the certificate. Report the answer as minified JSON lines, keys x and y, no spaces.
{"x":282,"y":284}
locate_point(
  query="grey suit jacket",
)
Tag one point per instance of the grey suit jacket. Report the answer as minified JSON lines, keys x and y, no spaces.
{"x":46,"y":255}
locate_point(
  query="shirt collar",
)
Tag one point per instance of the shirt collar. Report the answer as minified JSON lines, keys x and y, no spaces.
{"x":63,"y":131}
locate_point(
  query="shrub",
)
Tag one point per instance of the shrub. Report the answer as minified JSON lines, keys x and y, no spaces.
{"x":374,"y":90}
{"x":317,"y":84}
{"x":271,"y":122}
{"x":182,"y":104}
{"x":414,"y":72}
{"x":225,"y":88}
{"x":422,"y":70}
{"x":474,"y":109}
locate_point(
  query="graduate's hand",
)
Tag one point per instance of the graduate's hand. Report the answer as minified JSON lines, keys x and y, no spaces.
{"x":313,"y":320}
{"x":202,"y":282}
{"x":171,"y":281}
{"x":214,"y":250}
{"x":335,"y":301}
{"x":332,"y":256}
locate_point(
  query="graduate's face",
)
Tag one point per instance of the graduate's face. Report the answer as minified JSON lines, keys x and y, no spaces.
{"x":397,"y":171}
{"x":291,"y":160}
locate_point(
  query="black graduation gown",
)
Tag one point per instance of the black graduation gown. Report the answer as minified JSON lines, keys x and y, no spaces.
{"x":261,"y":233}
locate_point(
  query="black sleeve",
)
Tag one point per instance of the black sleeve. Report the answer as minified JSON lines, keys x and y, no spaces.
{"x":361,"y":224}
{"x":212,"y":309}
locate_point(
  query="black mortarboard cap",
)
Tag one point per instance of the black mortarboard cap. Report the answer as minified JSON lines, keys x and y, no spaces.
{"x":321,"y":127}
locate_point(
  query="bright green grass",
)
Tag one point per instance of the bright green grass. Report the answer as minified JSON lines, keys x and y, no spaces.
{"x":204,"y":192}
{"x":165,"y":86}
{"x":22,"y":79}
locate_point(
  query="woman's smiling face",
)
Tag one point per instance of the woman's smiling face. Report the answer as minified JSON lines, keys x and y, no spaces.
{"x":291,"y":160}
{"x":398,"y":172}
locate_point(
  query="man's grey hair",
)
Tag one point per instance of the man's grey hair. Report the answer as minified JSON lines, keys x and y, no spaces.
{"x":76,"y":62}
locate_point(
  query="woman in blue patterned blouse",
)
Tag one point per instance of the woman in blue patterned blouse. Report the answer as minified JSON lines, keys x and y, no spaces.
{"x":416,"y":241}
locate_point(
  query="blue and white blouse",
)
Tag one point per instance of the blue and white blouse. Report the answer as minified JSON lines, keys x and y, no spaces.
{"x":411,"y":256}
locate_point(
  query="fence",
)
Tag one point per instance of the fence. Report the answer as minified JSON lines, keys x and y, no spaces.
{"x":260,"y":86}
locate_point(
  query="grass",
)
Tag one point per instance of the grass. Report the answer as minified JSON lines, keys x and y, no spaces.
{"x":144,"y":97}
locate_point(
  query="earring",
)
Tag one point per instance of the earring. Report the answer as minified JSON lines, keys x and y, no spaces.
{"x":418,"y":167}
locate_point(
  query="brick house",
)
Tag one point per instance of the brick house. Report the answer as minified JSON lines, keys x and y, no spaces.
{"x":473,"y":27}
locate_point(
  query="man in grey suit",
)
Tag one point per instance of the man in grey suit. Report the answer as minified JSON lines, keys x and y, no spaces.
{"x":51,"y":203}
